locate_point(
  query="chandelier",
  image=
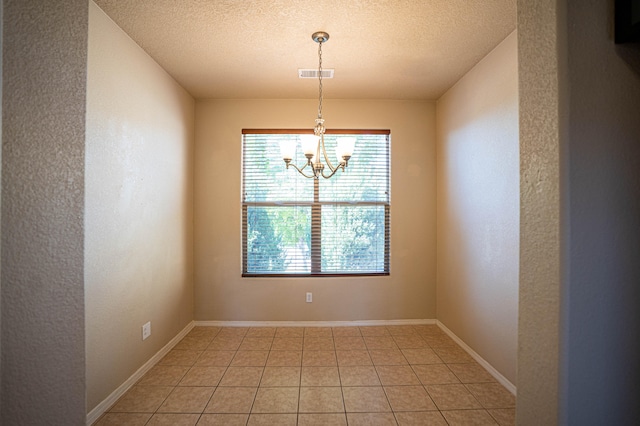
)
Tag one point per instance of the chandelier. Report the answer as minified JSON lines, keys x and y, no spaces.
{"x":313,"y":145}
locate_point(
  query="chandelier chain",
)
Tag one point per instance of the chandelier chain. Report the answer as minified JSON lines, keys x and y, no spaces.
{"x":320,"y":79}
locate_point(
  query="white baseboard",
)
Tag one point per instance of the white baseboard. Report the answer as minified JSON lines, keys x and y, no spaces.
{"x":496,"y":375}
{"x":360,"y":323}
{"x":116,"y":394}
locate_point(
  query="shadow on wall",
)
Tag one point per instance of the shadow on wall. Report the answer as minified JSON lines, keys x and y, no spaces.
{"x":630,"y":54}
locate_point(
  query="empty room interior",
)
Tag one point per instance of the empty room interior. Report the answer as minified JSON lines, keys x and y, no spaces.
{"x":481,"y":236}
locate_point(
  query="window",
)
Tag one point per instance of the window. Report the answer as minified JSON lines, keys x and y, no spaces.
{"x":292,"y":225}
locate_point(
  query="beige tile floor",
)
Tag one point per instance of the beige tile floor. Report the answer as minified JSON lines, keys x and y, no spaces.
{"x":383,"y":375}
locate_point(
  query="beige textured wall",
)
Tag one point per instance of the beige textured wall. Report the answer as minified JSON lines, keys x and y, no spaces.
{"x":541,"y":54}
{"x":478,"y":208}
{"x":138,"y":218}
{"x":220,"y":291}
{"x":44,"y":53}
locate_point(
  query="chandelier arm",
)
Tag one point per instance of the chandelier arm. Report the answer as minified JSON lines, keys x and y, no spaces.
{"x":326,"y":157}
{"x":300,"y":170}
{"x":318,"y":152}
{"x":333,"y":172}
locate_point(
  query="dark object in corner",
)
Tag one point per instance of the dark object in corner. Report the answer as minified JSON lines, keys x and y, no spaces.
{"x":627,"y":21}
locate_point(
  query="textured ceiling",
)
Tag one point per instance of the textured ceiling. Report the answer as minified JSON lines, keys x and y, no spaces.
{"x":380,"y":49}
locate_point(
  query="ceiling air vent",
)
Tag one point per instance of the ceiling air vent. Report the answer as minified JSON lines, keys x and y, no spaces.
{"x":308,"y":73}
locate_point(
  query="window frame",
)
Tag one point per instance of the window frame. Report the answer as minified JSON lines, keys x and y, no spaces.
{"x":316,"y":207}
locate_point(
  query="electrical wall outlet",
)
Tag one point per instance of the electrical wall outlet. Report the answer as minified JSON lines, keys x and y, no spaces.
{"x":309,"y":297}
{"x":146,"y":330}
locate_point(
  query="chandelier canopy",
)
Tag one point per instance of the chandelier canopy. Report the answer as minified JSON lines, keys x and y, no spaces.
{"x":313,"y":146}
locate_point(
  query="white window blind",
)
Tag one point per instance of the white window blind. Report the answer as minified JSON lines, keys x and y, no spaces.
{"x":292,"y":225}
